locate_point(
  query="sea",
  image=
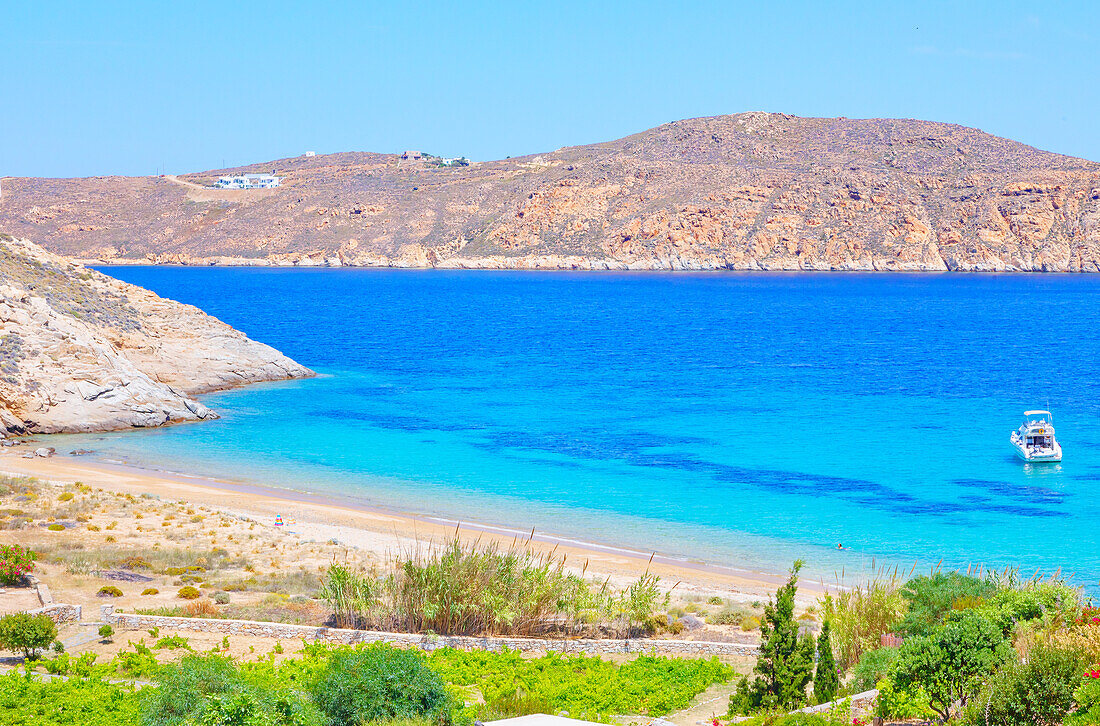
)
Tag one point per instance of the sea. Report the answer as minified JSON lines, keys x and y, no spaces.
{"x":854,"y":421}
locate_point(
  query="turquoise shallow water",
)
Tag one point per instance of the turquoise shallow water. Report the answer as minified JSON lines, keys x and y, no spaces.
{"x":737,"y":419}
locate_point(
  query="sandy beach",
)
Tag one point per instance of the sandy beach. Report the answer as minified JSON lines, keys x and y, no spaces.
{"x":317,"y":518}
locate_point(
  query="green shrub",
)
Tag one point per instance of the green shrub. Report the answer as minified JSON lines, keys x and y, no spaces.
{"x":16,"y":562}
{"x":785,"y":664}
{"x":188,"y":592}
{"x":150,"y":591}
{"x":900,"y":703}
{"x":172,"y":642}
{"x":1039,"y":692}
{"x":211,"y":690}
{"x":57,"y":702}
{"x":715,"y":600}
{"x":860,"y":616}
{"x":106,"y":632}
{"x":872,"y":668}
{"x":65,"y":497}
{"x":221,"y":598}
{"x":826,"y":677}
{"x":951,"y":664}
{"x":1088,"y":703}
{"x":109,"y":591}
{"x":379,"y":683}
{"x":27,"y":633}
{"x":56,"y":528}
{"x":584,"y":686}
{"x":931,"y":598}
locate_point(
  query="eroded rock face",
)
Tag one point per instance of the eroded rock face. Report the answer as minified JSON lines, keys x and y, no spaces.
{"x":80,"y":351}
{"x":754,"y":191}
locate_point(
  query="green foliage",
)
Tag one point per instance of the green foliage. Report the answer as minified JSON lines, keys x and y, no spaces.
{"x":466,"y":589}
{"x":1032,"y":601}
{"x":1088,"y":704}
{"x":785,"y":664}
{"x":895,"y":702}
{"x":16,"y":562}
{"x":27,"y":633}
{"x":1039,"y":692}
{"x":951,"y":664}
{"x":860,"y":616}
{"x":931,"y":598}
{"x":873,"y":667}
{"x":106,"y":632}
{"x":583,"y":686}
{"x":27,"y":701}
{"x":109,"y":591}
{"x":212,"y":691}
{"x":377,"y":683}
{"x":172,"y":642}
{"x":826,"y":677}
{"x":188,"y":592}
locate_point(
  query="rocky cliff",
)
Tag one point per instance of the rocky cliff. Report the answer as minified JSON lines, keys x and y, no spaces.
{"x":80,"y":351}
{"x":754,"y":191}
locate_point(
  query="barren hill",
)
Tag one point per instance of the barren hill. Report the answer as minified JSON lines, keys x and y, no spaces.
{"x":80,"y":351}
{"x":750,"y":191}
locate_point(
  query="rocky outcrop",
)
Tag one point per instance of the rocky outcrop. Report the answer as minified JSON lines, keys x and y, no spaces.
{"x":754,"y":191}
{"x":80,"y":351}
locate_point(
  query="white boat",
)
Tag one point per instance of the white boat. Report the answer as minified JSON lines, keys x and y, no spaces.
{"x":1034,"y":440}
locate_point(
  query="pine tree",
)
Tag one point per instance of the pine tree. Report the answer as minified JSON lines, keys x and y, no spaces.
{"x":785,"y":664}
{"x":826,"y":680}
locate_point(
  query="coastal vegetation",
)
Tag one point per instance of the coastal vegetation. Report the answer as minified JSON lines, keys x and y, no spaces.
{"x":980,"y":649}
{"x":343,"y":685}
{"x":473,"y":589}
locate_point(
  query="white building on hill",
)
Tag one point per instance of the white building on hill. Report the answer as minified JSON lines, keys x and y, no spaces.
{"x":248,"y":181}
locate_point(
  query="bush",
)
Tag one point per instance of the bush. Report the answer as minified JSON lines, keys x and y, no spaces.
{"x":379,"y":683}
{"x":860,"y":616}
{"x":56,"y":528}
{"x":1039,"y":692}
{"x":65,"y":497}
{"x":187,"y":592}
{"x":212,"y":691}
{"x":951,"y":664}
{"x":785,"y":664}
{"x":106,"y":632}
{"x":1088,"y":702}
{"x":826,"y":678}
{"x":27,"y":633}
{"x":932,"y":597}
{"x":109,"y":591}
{"x":872,"y":668}
{"x":221,"y":598}
{"x":150,"y":591}
{"x":135,"y":562}
{"x":899,"y":703}
{"x":16,"y":562}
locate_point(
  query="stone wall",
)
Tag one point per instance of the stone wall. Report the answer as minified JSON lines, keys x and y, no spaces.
{"x":59,"y":612}
{"x":425,"y":642}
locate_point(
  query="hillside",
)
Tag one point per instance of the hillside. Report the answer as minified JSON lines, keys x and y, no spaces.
{"x":80,"y":351}
{"x":750,"y":191}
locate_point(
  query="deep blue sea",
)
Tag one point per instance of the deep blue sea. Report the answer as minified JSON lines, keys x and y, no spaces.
{"x":741,"y":419}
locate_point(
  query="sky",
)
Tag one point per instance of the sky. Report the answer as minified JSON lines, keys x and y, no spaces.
{"x":89,"y":89}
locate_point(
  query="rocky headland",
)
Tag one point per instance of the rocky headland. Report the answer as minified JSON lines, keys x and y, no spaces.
{"x":753,"y":191}
{"x":81,"y":351}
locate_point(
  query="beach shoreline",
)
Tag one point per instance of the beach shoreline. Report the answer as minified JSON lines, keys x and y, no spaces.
{"x":388,"y":532}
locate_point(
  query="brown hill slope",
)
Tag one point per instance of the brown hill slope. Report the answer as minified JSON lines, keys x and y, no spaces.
{"x":80,"y":351}
{"x":751,"y":191}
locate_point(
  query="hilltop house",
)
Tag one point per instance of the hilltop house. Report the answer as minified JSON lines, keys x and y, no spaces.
{"x":248,"y":181}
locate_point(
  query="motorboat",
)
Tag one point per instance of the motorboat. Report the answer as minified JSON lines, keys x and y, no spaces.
{"x":1034,"y":441}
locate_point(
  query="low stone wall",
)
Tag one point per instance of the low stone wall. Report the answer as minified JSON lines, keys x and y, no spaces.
{"x":59,"y":612}
{"x":425,"y":642}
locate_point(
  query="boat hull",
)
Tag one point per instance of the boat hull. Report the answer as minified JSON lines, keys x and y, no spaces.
{"x":1038,"y":458}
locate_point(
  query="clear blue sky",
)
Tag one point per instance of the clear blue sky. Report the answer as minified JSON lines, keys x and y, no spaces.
{"x":116,"y":88}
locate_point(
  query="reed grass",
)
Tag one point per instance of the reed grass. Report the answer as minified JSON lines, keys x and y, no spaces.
{"x":461,"y":588}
